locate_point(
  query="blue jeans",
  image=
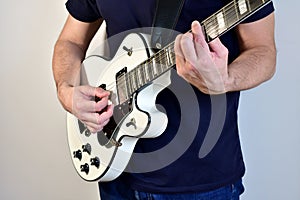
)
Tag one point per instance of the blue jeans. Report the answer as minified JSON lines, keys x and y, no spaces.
{"x":117,"y":190}
{"x":231,"y":192}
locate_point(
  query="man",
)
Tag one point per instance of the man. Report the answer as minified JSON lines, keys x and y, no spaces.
{"x":241,"y":59}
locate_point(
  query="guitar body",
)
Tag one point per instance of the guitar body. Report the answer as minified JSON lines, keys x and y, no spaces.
{"x":103,"y":156}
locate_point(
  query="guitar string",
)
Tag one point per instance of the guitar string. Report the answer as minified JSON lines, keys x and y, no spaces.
{"x":211,"y":25}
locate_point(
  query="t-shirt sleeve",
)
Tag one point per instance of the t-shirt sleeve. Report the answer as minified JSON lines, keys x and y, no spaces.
{"x":263,"y":12}
{"x":83,"y":10}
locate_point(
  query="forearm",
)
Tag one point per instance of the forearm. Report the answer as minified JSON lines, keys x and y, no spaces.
{"x":66,"y":64}
{"x":253,"y":67}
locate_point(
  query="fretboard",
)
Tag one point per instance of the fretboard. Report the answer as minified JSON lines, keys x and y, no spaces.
{"x":214,"y":26}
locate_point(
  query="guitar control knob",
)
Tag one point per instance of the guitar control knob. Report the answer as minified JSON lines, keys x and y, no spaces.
{"x":85,"y":168}
{"x":95,"y":161}
{"x":77,"y":154}
{"x":87,"y":148}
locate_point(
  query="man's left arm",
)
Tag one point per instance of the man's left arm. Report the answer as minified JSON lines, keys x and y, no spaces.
{"x":257,"y":60}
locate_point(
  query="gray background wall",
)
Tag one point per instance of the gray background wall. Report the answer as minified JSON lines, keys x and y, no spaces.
{"x":35,"y":162}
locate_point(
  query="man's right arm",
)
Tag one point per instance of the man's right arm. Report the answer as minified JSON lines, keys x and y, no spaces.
{"x":69,"y":52}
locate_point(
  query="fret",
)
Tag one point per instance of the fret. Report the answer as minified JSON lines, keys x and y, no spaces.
{"x":166,"y":60}
{"x":154,"y":67}
{"x":249,"y":6}
{"x":146,"y":71}
{"x":221,"y":22}
{"x":134,"y":80}
{"x":157,"y":61}
{"x":172,"y":55}
{"x":139,"y":77}
{"x":149,"y":70}
{"x":129,"y":84}
{"x":168,"y":57}
{"x":161,"y":61}
{"x":142,"y":71}
{"x":231,"y":16}
{"x":254,"y":4}
{"x":122,"y":89}
{"x":242,"y":7}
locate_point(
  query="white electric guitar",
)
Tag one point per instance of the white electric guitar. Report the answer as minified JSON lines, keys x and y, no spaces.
{"x":134,"y":77}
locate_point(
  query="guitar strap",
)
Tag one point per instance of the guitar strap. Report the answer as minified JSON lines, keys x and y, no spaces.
{"x":165,"y":20}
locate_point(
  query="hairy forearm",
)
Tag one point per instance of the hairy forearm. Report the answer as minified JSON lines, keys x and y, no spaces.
{"x":67,"y":58}
{"x":251,"y":68}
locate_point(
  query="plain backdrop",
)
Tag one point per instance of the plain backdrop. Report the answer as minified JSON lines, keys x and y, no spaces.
{"x":35,"y":160}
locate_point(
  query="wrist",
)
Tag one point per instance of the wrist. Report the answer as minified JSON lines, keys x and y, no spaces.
{"x":65,"y":96}
{"x":229,"y":84}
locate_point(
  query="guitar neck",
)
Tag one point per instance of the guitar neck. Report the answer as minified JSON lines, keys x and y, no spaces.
{"x":214,"y":26}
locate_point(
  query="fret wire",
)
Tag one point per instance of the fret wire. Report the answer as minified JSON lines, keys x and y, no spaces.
{"x":236,"y":13}
{"x":132,"y":81}
{"x":123,"y":94}
{"x":249,"y":5}
{"x":232,"y":14}
{"x":164,"y":59}
{"x":146,"y":73}
{"x":139,"y":77}
{"x":154,"y":67}
{"x":128,"y":83}
{"x":168,"y":57}
{"x":158,"y":64}
{"x":143,"y":76}
{"x":136,"y":81}
{"x":150,"y":71}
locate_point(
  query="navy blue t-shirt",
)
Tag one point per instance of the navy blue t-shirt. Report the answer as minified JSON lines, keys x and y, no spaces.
{"x":180,"y":160}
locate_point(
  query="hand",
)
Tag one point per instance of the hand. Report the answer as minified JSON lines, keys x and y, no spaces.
{"x":201,"y":64}
{"x":95,"y":115}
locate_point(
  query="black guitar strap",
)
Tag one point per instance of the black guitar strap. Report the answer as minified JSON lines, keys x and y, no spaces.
{"x":165,"y":20}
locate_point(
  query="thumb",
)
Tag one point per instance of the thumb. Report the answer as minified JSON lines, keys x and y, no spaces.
{"x":90,"y":91}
